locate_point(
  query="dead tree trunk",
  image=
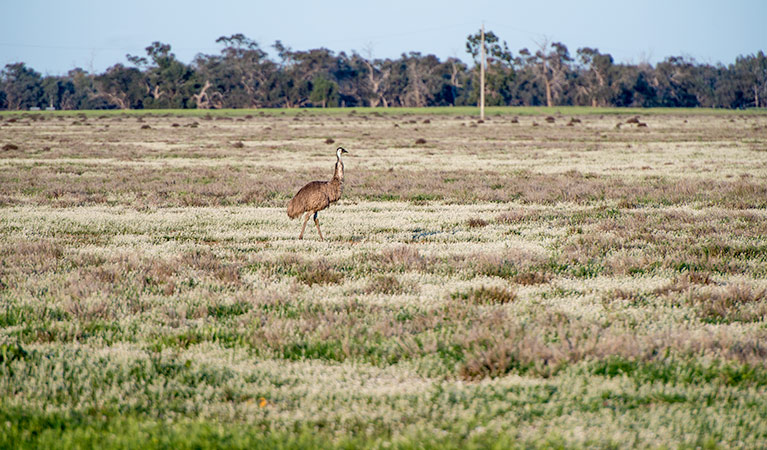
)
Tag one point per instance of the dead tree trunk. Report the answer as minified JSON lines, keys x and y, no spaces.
{"x":376,"y":82}
{"x":119,"y":100}
{"x":547,"y":84}
{"x":202,"y":99}
{"x":156,"y":92}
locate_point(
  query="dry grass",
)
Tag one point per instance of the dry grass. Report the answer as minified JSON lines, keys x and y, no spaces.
{"x":476,"y":222}
{"x":734,"y":303}
{"x":384,"y":284}
{"x":206,"y":262}
{"x":319,"y":272}
{"x":486,"y":296}
{"x":222,"y":186}
{"x":503,"y":276}
{"x":31,"y":257}
{"x":532,"y":277}
{"x":684,"y":282}
{"x":183,"y":166}
{"x":403,"y":257}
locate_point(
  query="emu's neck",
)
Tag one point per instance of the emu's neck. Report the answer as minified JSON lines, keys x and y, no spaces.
{"x":339,"y":172}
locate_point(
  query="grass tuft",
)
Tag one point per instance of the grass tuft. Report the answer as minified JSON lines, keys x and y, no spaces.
{"x":319,"y":273}
{"x":486,"y":296}
{"x":476,"y":222}
{"x":384,"y":284}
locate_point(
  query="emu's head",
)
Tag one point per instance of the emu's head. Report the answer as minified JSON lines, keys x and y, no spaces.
{"x":339,"y":151}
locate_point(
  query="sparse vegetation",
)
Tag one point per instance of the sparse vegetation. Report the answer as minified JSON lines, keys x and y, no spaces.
{"x":476,"y":222}
{"x":319,"y":273}
{"x":549,"y":286}
{"x":385,"y":284}
{"x":486,"y":296}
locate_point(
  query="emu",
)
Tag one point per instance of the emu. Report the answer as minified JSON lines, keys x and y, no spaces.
{"x":318,"y":195}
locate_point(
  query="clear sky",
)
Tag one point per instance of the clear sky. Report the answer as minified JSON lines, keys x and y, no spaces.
{"x":55,"y":36}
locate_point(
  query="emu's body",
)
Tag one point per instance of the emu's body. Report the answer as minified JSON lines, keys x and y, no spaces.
{"x":318,"y":195}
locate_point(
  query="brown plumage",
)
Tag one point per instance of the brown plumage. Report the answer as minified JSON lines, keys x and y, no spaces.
{"x":318,"y":195}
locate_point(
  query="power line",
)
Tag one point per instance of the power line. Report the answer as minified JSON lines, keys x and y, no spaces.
{"x":105,"y":49}
{"x":424,"y":30}
{"x":543,"y":35}
{"x":388,"y":36}
{"x":346,"y":39}
{"x":61,"y":47}
{"x":516,"y":28}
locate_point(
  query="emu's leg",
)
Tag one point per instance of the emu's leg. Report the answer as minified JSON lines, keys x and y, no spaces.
{"x":301,"y":236}
{"x":317,"y":222}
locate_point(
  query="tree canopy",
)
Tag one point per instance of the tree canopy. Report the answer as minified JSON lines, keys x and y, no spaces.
{"x":243,"y":75}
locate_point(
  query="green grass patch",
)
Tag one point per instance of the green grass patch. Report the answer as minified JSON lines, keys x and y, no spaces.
{"x":225,"y":337}
{"x":32,"y":429}
{"x":223,"y":311}
{"x":11,"y":315}
{"x":686,"y":372}
{"x":393,"y":111}
{"x":486,"y":296}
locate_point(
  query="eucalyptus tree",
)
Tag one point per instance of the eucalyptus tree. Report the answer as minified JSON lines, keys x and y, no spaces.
{"x":22,"y":86}
{"x":373,"y":76}
{"x":499,"y":76}
{"x":675,"y":82}
{"x":595,"y":81}
{"x":123,"y":87}
{"x":297,"y":72}
{"x":80,"y":92}
{"x":707,"y":76}
{"x":168,"y":82}
{"x":417,"y":92}
{"x":751,"y":70}
{"x":53,"y":88}
{"x":324,"y":92}
{"x":238,"y":77}
{"x":551,"y":64}
{"x":72,"y":91}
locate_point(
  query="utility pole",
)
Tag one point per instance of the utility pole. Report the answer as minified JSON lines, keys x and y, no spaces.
{"x":482,"y":76}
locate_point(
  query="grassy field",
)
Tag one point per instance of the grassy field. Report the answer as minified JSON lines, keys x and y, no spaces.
{"x":548,"y":278}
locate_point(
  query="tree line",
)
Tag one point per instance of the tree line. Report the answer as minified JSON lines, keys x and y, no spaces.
{"x":243,"y":75}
